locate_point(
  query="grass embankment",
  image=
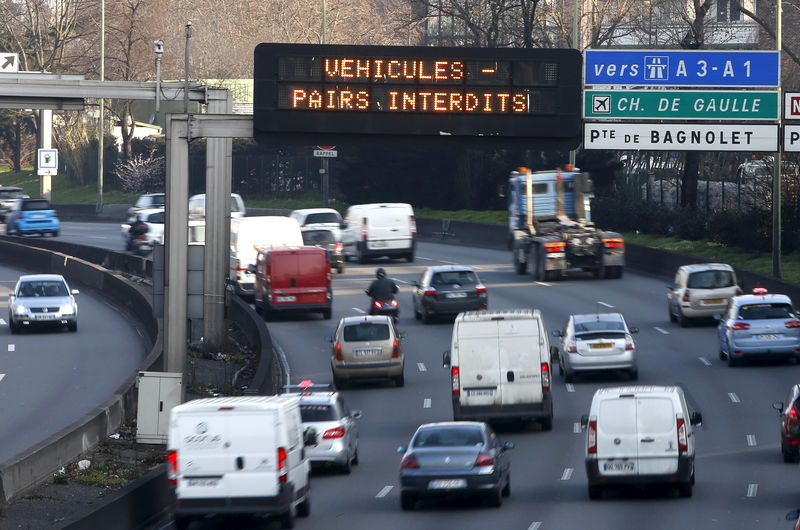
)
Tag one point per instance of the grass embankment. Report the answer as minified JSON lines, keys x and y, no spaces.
{"x":64,"y":191}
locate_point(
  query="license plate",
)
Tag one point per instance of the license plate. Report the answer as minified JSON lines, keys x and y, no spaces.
{"x":455,"y":295}
{"x":365,"y":352}
{"x":377,"y":244}
{"x":480,"y":393}
{"x":447,"y":484}
{"x":285,"y":298}
{"x":768,"y":337}
{"x":714,"y":301}
{"x":202,"y":482}
{"x":627,"y":467}
{"x":45,"y":317}
{"x":38,"y":216}
{"x":601,"y":346}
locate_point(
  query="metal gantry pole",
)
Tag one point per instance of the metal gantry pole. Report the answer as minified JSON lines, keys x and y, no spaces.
{"x":776,"y":177}
{"x":575,"y":44}
{"x":188,"y":35}
{"x":45,"y":142}
{"x":101,"y":117}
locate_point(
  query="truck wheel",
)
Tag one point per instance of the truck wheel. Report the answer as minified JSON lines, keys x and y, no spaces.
{"x":410,"y":257}
{"x":683,"y":320}
{"x":400,"y":380}
{"x":595,"y":492}
{"x":287,"y":519}
{"x":407,"y":501}
{"x":551,"y":276}
{"x":326,"y":313}
{"x":547,"y":423}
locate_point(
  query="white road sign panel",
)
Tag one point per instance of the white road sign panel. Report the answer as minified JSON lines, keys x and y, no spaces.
{"x":791,"y":138}
{"x":791,"y":105}
{"x":326,"y":153}
{"x":9,"y":63}
{"x":680,"y":137}
{"x":48,"y":161}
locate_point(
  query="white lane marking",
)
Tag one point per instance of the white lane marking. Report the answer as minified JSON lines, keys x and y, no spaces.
{"x":576,"y":427}
{"x":751,"y":440}
{"x":752,"y":490}
{"x":605,"y":304}
{"x":424,"y":259}
{"x":401,"y":281}
{"x":448,"y":262}
{"x":384,"y":492}
{"x":536,"y":525}
{"x":426,"y":403}
{"x":359,"y":310}
{"x":11,"y":347}
{"x":567,"y":474}
{"x":2,"y":376}
{"x":2,"y":322}
{"x":705,"y":361}
{"x":543,"y":284}
{"x":661,"y":330}
{"x":570,"y":387}
{"x":734,"y":398}
{"x":421,"y":367}
{"x":97,"y":237}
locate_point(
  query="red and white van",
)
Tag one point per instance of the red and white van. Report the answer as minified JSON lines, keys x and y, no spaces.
{"x":293,"y":279}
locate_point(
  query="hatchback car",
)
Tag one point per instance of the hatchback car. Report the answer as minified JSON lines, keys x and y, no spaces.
{"x":367,"y":347}
{"x":759,"y":325}
{"x":32,"y":216}
{"x":790,"y":425}
{"x":448,"y":290}
{"x":319,"y":218}
{"x":335,"y":424}
{"x":596,"y":342}
{"x":326,"y":239}
{"x":458,"y":458}
{"x":42,"y":300}
{"x":701,"y":291}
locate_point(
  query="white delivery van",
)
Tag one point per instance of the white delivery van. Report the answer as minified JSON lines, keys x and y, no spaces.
{"x":500,"y":367}
{"x":640,"y":435}
{"x":248,"y":235}
{"x":197,"y":206}
{"x":374,"y":230}
{"x":237,"y":456}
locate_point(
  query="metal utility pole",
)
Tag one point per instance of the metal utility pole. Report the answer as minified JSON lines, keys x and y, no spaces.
{"x":158,"y":48}
{"x":324,"y":20}
{"x":188,"y":35}
{"x":45,"y":142}
{"x":101,"y":130}
{"x":575,"y":44}
{"x":324,"y":170}
{"x":776,"y":177}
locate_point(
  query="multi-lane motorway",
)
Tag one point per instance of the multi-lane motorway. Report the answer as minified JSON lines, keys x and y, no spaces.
{"x":742,"y":482}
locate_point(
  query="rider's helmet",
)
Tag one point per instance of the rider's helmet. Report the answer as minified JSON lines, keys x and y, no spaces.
{"x":380,"y":273}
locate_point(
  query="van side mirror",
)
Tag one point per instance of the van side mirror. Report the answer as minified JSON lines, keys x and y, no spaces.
{"x":310,"y":437}
{"x":553,"y":354}
{"x":695,"y":418}
{"x":584,"y":421}
{"x":446,"y":359}
{"x":557,"y":333}
{"x":401,"y":449}
{"x":778,"y":405}
{"x":75,"y":291}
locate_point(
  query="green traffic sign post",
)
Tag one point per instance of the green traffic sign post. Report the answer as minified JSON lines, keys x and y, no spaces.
{"x":681,"y":105}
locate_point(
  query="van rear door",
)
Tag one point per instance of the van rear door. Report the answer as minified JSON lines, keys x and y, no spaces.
{"x":283,"y":278}
{"x":252,"y":451}
{"x":657,"y":432}
{"x":389,"y":227}
{"x":312,"y":278}
{"x":617,"y":442}
{"x":520,"y":365}
{"x":479,"y":364}
{"x":202,"y":458}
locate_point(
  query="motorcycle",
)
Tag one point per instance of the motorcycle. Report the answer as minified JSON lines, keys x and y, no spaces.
{"x":388,"y":307}
{"x":141,"y":246}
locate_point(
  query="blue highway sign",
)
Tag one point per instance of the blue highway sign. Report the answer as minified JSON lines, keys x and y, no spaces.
{"x":705,"y":68}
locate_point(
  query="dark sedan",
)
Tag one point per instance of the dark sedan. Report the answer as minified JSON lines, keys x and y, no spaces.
{"x":790,"y":425}
{"x":459,"y":458}
{"x":325,"y":238}
{"x":448,"y":290}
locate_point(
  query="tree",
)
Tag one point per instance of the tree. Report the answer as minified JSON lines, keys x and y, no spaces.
{"x":142,"y":173}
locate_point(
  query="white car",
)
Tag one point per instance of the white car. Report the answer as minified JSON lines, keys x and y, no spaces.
{"x":197,"y":206}
{"x":319,"y":218}
{"x":154,"y":218}
{"x":596,"y":342}
{"x":42,"y":300}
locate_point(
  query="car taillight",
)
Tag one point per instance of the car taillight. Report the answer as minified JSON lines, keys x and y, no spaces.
{"x":614,"y":242}
{"x":686,"y":296}
{"x":172,"y":468}
{"x":591,"y":440}
{"x":484,"y":460}
{"x":364,"y":228}
{"x":409,"y":462}
{"x":480,"y":289}
{"x":683,"y":444}
{"x":793,"y":324}
{"x":555,"y":247}
{"x":338,"y":247}
{"x":338,"y":351}
{"x":740,"y":325}
{"x":456,"y":384}
{"x":337,"y":432}
{"x":377,"y":304}
{"x":413,"y":223}
{"x":792,"y":412}
{"x":283,"y":471}
{"x":429,"y":292}
{"x":395,"y":349}
{"x":628,"y":342}
{"x":393,"y":303}
{"x":545,"y":377}
{"x":572,"y":347}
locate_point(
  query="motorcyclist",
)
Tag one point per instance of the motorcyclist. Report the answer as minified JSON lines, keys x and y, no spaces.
{"x":137,"y":229}
{"x":381,"y":288}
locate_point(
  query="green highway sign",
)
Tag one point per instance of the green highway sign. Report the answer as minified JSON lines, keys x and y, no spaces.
{"x":680,"y":105}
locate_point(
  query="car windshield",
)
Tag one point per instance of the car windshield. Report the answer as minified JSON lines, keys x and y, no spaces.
{"x":765,"y":311}
{"x":42,"y":288}
{"x":326,"y":217}
{"x":311,"y":413}
{"x":36,"y":205}
{"x":710,"y":280}
{"x":317,"y":237}
{"x":156,"y":218}
{"x":158,"y":201}
{"x":597,"y":324}
{"x":366,"y":331}
{"x":448,"y":437}
{"x":454,"y":278}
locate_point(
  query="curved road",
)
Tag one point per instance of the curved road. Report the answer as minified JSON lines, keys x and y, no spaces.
{"x":742,"y":482}
{"x":51,"y":378}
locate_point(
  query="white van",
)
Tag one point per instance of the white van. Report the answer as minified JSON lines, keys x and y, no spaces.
{"x":373,"y":230}
{"x":500,"y":367}
{"x":197,"y":206}
{"x":248,"y":234}
{"x":237,"y":456}
{"x":640,"y":435}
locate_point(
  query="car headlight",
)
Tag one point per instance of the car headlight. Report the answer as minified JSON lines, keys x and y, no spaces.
{"x":67,"y":309}
{"x":20,"y":310}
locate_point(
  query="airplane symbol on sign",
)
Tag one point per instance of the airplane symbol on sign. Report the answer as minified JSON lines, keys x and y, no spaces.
{"x":601,"y":104}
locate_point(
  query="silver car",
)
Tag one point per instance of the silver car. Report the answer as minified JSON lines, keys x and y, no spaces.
{"x":336,"y":427}
{"x":596,"y":342}
{"x":448,"y":290}
{"x":701,"y":290}
{"x":42,"y":300}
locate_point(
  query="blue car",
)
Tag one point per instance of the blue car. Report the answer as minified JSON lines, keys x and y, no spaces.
{"x":32,"y":216}
{"x":759,"y":326}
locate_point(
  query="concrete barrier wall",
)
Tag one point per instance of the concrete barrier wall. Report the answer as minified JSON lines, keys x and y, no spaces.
{"x":38,"y":463}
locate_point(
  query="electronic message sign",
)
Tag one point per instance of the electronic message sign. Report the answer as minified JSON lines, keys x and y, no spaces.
{"x":459,"y":93}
